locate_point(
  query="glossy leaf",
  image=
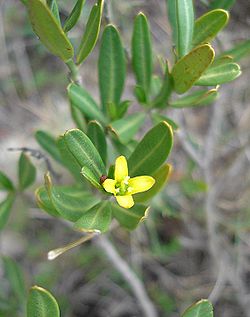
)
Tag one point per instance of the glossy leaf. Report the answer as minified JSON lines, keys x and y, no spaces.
{"x":152,"y":151}
{"x":97,"y":136}
{"x":219,"y":74}
{"x":111,"y":67}
{"x":49,"y":144}
{"x":70,"y":202}
{"x":15,"y":278}
{"x":239,"y":51}
{"x":41,"y":303}
{"x":200,"y":97}
{"x":91,"y":33}
{"x":54,"y":9}
{"x":68,"y":159}
{"x":90,"y":176}
{"x":98,"y":218}
{"x":84,"y":102}
{"x":126,"y":128}
{"x":157,"y":118}
{"x":5,"y":209}
{"x":84,"y":152}
{"x":142,"y":52}
{"x":44,"y":202}
{"x":190,"y":68}
{"x":161,"y":176}
{"x":129,"y":218}
{"x":74,"y":16}
{"x":181,"y":13}
{"x":48,"y":30}
{"x":26,"y":172}
{"x":221,"y":4}
{"x":209,"y":25}
{"x":203,"y":308}
{"x":165,"y":91}
{"x":5,"y":182}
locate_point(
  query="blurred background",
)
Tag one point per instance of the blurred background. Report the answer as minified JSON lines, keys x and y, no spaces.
{"x":195,"y":243}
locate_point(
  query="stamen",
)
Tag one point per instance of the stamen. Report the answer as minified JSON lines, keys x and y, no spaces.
{"x":126,"y":179}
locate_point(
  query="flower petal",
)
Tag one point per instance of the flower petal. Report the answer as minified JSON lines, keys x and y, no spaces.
{"x":125,"y":201}
{"x":140,"y":184}
{"x":109,"y":185}
{"x":121,"y":168}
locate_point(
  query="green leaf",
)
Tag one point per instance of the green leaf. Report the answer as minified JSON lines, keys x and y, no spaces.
{"x":26,"y":172}
{"x":98,"y":218}
{"x":157,"y":118}
{"x":68,"y":159}
{"x":126,"y":128}
{"x":140,"y":94}
{"x":161,"y":99}
{"x":41,"y":303}
{"x":48,"y":30}
{"x":74,"y":16}
{"x":84,"y":152}
{"x":78,"y":117}
{"x":219,"y":74}
{"x":203,"y":308}
{"x":91,"y":33}
{"x":84,"y":102}
{"x":197,"y":98}
{"x":5,"y":182}
{"x":49,"y":144}
{"x":161,"y":176}
{"x":111,"y":67}
{"x":142,"y":52}
{"x":152,"y":151}
{"x":209,"y":25}
{"x":15,"y":278}
{"x":221,"y":60}
{"x":97,"y":136}
{"x":129,"y":218}
{"x":239,"y":51}
{"x":69,"y":201}
{"x":89,"y":175}
{"x":54,"y":9}
{"x":190,"y":68}
{"x":44,"y":202}
{"x":181,"y":14}
{"x":222,"y":4}
{"x":5,"y":209}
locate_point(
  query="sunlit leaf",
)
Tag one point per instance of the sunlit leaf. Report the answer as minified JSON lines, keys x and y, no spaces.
{"x":190,"y":68}
{"x":209,"y":25}
{"x":41,"y":303}
{"x":48,"y":30}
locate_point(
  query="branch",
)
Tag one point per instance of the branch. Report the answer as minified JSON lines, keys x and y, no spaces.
{"x":128,"y":275}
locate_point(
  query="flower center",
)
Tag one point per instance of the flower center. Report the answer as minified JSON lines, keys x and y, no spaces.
{"x":122,"y":188}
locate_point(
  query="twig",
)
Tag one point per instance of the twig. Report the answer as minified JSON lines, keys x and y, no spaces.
{"x":129,"y":276}
{"x":38,"y":155}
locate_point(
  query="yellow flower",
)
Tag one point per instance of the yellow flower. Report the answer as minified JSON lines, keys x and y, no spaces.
{"x":123,"y":187}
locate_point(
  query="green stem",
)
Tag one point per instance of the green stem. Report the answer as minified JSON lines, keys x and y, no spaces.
{"x":74,"y":71}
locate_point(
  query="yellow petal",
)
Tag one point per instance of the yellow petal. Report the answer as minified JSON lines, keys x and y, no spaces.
{"x":125,"y":201}
{"x":140,"y":184}
{"x":121,"y":168}
{"x":109,"y":185}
